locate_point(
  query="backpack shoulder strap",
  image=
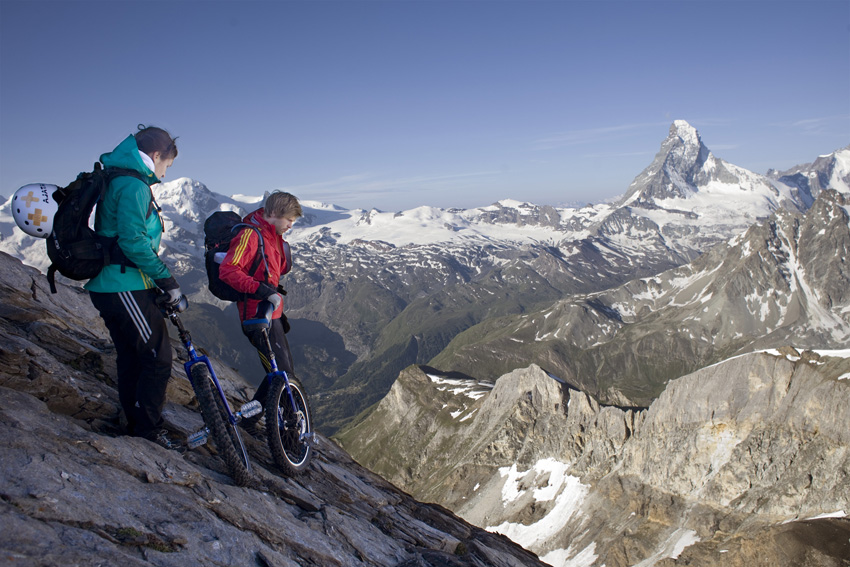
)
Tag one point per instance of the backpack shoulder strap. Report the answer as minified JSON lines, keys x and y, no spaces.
{"x":115,"y":254}
{"x":113,"y":172}
{"x":51,"y":277}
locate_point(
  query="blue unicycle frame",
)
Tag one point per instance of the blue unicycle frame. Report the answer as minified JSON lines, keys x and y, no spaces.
{"x":195,"y":358}
{"x":220,"y":420}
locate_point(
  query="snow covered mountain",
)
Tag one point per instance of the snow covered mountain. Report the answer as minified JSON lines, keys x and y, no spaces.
{"x":375,"y":291}
{"x":828,"y":171}
{"x":696,"y":199}
{"x":784,"y":281}
{"x":686,"y":185}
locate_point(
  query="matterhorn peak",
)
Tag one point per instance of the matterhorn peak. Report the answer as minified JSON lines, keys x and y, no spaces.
{"x":682,"y":130}
{"x":684,"y":145}
{"x":686,"y":176}
{"x":673,"y":172}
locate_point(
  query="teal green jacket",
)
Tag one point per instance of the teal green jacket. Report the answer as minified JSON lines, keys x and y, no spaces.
{"x":123,"y":212}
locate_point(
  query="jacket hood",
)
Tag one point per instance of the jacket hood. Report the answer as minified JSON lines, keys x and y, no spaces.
{"x":256,"y":218}
{"x":126,"y":155}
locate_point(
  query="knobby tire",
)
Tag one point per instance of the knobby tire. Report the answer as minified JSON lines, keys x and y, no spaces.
{"x":285,"y":427}
{"x":225,"y":435}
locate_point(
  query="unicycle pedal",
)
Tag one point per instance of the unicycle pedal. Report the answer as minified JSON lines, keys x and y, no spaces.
{"x":198,"y":438}
{"x":250,"y":409}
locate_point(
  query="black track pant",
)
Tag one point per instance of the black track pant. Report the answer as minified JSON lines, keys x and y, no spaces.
{"x":280,"y":347}
{"x":137,"y":328}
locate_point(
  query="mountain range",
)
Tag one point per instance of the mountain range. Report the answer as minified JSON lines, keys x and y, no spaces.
{"x":782,"y":282}
{"x":374,"y":292}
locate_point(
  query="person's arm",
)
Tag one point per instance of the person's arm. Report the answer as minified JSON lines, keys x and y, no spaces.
{"x":134,"y":198}
{"x":240,"y":256}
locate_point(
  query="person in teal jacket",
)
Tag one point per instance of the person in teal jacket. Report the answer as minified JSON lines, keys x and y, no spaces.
{"x":125,"y":291}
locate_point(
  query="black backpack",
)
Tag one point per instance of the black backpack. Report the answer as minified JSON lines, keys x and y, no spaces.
{"x":75,"y":250}
{"x":219,"y":229}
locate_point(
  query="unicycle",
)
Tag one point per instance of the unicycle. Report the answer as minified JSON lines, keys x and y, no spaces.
{"x":220,"y":421}
{"x":289,"y":426}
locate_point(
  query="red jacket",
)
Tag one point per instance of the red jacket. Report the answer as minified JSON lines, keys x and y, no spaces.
{"x":240,"y":256}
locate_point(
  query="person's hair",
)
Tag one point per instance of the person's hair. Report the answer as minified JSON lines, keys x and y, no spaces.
{"x":280,"y":204}
{"x":151,"y":139}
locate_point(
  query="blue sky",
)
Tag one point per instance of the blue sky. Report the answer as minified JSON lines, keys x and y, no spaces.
{"x":399,"y":104}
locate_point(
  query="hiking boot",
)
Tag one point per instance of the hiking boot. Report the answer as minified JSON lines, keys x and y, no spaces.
{"x":161,"y":438}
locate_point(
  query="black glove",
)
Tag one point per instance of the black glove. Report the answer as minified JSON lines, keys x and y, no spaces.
{"x":172,"y":297}
{"x":166,"y":284}
{"x":264,"y":290}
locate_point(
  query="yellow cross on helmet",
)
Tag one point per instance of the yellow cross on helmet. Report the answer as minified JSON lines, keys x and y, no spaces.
{"x":33,"y":209}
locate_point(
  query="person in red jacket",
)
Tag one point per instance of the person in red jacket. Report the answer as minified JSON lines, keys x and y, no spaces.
{"x":277,"y":216}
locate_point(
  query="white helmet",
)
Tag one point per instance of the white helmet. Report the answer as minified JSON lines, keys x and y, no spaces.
{"x":33,"y":208}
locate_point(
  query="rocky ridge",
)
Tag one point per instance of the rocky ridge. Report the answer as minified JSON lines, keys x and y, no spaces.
{"x":73,"y":491}
{"x":725,"y":464}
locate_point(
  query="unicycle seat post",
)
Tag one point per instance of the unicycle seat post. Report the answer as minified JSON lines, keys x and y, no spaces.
{"x":270,"y":350}
{"x":183,"y":333}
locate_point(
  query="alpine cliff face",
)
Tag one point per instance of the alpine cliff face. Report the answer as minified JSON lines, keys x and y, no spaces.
{"x":73,"y":491}
{"x":684,"y":167}
{"x":746,"y":462}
